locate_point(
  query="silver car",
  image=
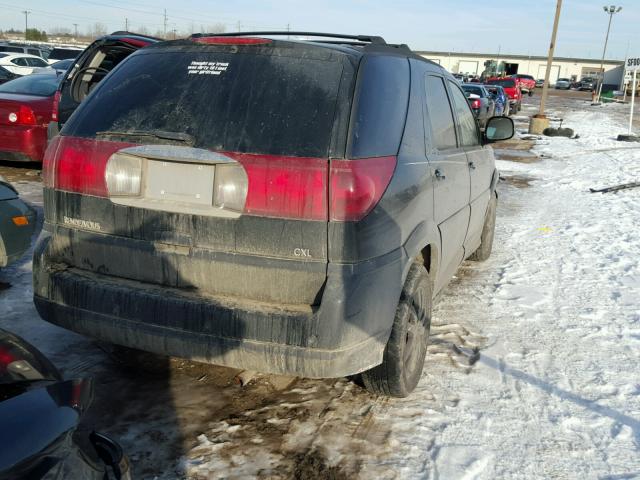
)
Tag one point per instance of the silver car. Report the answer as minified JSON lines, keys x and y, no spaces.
{"x":563,"y":84}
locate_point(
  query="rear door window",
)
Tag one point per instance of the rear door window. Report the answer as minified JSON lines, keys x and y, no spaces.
{"x":440,"y":114}
{"x":468,"y":129}
{"x":36,"y":62}
{"x":240,"y":102}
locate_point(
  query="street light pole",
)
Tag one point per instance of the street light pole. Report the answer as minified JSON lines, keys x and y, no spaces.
{"x":26,"y":22}
{"x":539,"y":122}
{"x":611,"y":10}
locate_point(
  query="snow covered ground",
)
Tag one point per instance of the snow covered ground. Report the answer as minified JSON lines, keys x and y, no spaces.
{"x":533,"y":369}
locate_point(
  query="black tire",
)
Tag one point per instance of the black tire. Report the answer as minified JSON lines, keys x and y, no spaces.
{"x":403,"y":360}
{"x":488,"y":232}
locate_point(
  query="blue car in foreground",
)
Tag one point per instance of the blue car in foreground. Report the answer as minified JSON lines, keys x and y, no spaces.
{"x":500,"y":98}
{"x":17,"y":223}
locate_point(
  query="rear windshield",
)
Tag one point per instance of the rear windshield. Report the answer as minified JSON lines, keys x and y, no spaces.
{"x":474,"y":90}
{"x":63,"y":54}
{"x":4,"y":48}
{"x":38,"y":85}
{"x":240,"y":102}
{"x":503,"y":83}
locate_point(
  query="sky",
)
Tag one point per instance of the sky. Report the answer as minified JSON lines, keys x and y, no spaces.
{"x":514,"y":26}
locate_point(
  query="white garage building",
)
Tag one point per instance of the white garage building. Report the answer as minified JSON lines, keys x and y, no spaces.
{"x":562,"y":67}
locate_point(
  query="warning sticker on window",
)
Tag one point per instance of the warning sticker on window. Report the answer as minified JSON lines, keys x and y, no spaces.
{"x":207,"y":68}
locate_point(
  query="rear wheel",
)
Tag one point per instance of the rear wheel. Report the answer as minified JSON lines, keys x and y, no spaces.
{"x":401,"y":367}
{"x":488,"y":232}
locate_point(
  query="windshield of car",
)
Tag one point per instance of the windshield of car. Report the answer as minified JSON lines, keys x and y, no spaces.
{"x":63,"y":54}
{"x":38,"y":85}
{"x":563,"y":80}
{"x":249,"y":102}
{"x":503,"y":82}
{"x":475,"y":90}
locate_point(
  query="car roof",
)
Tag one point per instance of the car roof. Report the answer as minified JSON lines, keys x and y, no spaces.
{"x":11,"y":56}
{"x":356,"y":45}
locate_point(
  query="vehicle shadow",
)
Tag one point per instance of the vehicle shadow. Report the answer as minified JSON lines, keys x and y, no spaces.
{"x":551,"y":389}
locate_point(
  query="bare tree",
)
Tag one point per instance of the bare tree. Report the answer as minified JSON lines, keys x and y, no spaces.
{"x":97,"y":30}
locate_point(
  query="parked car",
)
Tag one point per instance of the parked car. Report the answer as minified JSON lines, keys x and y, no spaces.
{"x":22,"y":64}
{"x":62,"y":66}
{"x":6,"y":75}
{"x":563,"y":84}
{"x":483,"y":106}
{"x":527,"y":83}
{"x":540,"y":83}
{"x":25,"y":49}
{"x":40,"y":414}
{"x":512,"y":90}
{"x":224,"y":198}
{"x":91,"y":66}
{"x":63,"y":53}
{"x":500,"y":98}
{"x":26,"y":108}
{"x":587,"y":83}
{"x":17,"y":224}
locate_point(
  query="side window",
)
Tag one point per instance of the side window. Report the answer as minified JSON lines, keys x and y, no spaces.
{"x":32,"y":51}
{"x":19,"y":61}
{"x":468,"y":127}
{"x":36,"y":62}
{"x":440,"y":114}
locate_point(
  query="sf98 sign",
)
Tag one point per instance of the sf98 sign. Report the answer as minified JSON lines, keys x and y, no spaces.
{"x":633,"y":64}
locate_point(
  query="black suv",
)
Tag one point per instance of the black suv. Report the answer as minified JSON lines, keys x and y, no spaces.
{"x":285,"y":206}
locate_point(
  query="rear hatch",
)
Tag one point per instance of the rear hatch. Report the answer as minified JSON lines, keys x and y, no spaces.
{"x":205,"y":166}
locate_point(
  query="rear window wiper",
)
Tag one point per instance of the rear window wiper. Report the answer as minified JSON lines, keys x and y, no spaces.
{"x":162,"y":135}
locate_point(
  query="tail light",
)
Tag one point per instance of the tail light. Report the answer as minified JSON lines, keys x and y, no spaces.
{"x":56,"y":103}
{"x":123,"y":175}
{"x":356,"y":186}
{"x":475,"y":103}
{"x":303,"y":188}
{"x":23,"y":116}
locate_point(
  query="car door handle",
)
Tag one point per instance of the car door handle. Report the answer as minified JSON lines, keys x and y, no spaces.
{"x":439,"y":175}
{"x":472,"y":165}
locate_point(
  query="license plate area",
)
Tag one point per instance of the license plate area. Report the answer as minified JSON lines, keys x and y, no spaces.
{"x":178,"y":182}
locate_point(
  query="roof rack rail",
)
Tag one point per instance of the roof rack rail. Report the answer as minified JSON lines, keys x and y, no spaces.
{"x":359,"y":38}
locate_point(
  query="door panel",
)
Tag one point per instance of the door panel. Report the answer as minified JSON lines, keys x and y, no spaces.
{"x":480,"y":167}
{"x":450,"y":173}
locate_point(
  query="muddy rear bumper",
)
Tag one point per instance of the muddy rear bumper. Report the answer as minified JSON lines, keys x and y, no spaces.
{"x":345,"y":335}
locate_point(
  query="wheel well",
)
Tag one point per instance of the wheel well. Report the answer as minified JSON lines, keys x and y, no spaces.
{"x":426,"y":258}
{"x":429,"y":258}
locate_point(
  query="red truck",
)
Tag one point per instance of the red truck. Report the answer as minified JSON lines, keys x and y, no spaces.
{"x":527,"y":83}
{"x":513,"y":90}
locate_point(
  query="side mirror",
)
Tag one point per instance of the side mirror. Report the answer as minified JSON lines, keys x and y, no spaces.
{"x":498,"y":128}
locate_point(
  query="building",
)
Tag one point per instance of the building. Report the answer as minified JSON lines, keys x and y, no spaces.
{"x":562,"y":67}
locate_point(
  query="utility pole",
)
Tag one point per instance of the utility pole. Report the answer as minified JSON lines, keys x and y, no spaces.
{"x":126,"y":24}
{"x":26,"y":22}
{"x":165,"y":23}
{"x":174,"y":33}
{"x":239,"y":26}
{"x":611,"y":11}
{"x":288,"y":30}
{"x":539,"y":122}
{"x":76,"y":29}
